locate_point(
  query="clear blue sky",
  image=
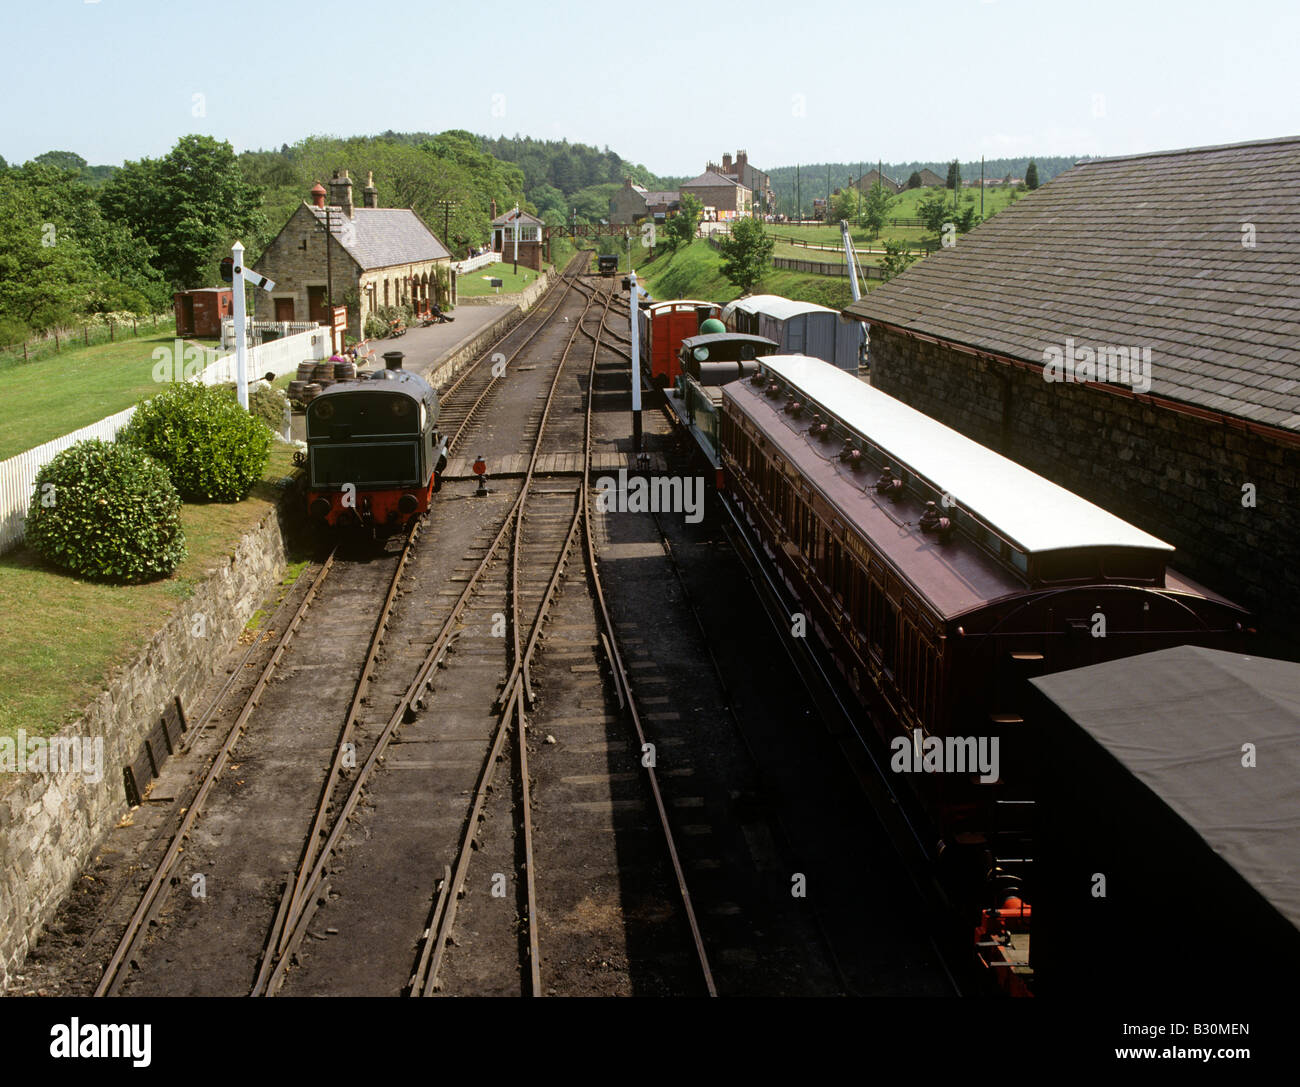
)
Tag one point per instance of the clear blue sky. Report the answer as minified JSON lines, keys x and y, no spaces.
{"x":666,"y":83}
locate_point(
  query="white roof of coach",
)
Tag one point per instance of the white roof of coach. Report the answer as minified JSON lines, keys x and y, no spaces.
{"x":1026,"y":508}
{"x":774,"y":305}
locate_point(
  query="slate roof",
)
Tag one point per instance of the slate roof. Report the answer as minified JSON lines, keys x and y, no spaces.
{"x":524,"y":217}
{"x":382,"y":237}
{"x":709,"y":179}
{"x":1144,"y":250}
{"x":663,"y":197}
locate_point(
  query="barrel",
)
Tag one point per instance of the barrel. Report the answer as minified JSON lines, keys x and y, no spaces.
{"x":305,"y":369}
{"x":296,"y":388}
{"x":310,"y":392}
{"x":323,"y":370}
{"x":345,"y":371}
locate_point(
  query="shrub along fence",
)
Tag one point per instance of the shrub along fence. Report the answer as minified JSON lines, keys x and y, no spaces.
{"x":18,"y":474}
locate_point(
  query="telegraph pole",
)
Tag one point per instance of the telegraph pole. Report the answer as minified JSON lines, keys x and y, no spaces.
{"x":446,"y":206}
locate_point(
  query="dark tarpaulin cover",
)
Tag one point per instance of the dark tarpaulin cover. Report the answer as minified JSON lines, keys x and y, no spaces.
{"x":1177,"y":720}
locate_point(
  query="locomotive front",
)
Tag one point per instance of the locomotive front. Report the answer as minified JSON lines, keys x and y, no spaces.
{"x":373,"y":450}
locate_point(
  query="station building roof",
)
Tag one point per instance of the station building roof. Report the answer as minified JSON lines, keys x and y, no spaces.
{"x":382,"y":237}
{"x":1194,"y":254}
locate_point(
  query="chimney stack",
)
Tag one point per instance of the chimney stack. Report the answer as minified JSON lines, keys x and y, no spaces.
{"x":341,"y":192}
{"x":317,"y":195}
{"x":370,"y":195}
{"x":742,"y":160}
{"x":726,"y":162}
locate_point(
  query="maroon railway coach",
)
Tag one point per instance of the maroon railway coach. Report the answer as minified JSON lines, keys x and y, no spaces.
{"x":942,"y":577}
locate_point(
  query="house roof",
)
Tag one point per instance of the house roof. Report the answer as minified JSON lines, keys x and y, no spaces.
{"x":708,"y":179}
{"x":382,"y":237}
{"x":524,"y":217}
{"x":1174,"y":719}
{"x":663,"y":197}
{"x":1146,"y":251}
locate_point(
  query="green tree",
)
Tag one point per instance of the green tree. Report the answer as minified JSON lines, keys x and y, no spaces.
{"x":934,"y":210}
{"x":680,"y":228}
{"x":189,"y":205}
{"x":875,"y":209}
{"x":62,"y":160}
{"x":954,"y":176}
{"x":844,"y":205}
{"x":895,"y":260}
{"x":747,"y":254}
{"x":914,"y":181}
{"x":1031,"y":175}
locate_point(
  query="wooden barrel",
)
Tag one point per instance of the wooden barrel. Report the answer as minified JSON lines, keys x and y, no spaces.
{"x":310,"y":392}
{"x":323,"y":370}
{"x":345,"y":371}
{"x":305,"y":369}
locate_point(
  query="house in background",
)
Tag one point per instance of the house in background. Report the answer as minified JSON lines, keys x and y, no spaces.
{"x":867,"y":180}
{"x":1177,"y":316}
{"x":762,"y":200}
{"x":367,"y":257}
{"x":727,"y":197}
{"x":628,"y":205}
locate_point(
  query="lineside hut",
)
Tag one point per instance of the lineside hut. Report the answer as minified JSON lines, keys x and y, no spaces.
{"x":1131,"y":331}
{"x":377,"y":257}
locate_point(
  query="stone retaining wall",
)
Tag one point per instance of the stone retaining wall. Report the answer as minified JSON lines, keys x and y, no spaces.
{"x":1177,"y":476}
{"x":50,"y":823}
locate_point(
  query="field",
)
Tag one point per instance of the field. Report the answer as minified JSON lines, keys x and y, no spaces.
{"x":696,"y":272}
{"x":43,"y":400}
{"x":475,"y":284}
{"x":66,"y":635}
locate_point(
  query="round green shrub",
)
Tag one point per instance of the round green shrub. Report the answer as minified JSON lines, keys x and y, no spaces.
{"x":108,"y":512}
{"x":268,"y":404}
{"x":212,"y":447}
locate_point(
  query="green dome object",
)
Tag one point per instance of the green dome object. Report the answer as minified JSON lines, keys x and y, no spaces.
{"x":712,"y":325}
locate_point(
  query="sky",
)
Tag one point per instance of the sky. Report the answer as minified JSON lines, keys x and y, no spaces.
{"x":667,"y":84}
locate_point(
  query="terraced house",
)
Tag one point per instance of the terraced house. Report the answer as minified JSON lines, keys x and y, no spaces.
{"x":1131,"y":331}
{"x":376,"y":257}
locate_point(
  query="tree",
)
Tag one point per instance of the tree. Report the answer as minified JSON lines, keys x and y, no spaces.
{"x":876,"y":208}
{"x":914,"y":181}
{"x":934,"y":211}
{"x":63,"y":160}
{"x":1031,"y":175}
{"x":844,"y":205}
{"x":189,"y":205}
{"x":747,"y":254}
{"x":681,"y":227}
{"x":954,"y":176}
{"x":895,"y":261}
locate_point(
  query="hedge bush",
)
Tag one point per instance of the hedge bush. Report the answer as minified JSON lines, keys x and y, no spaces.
{"x":212,"y":447}
{"x":268,"y":404}
{"x":108,"y":512}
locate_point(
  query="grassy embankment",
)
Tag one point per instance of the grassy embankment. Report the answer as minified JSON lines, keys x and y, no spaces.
{"x":695,"y":271}
{"x":477,"y":283}
{"x":43,"y":400}
{"x":62,"y":636}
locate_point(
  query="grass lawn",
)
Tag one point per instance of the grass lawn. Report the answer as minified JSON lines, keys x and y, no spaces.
{"x":46,"y":399}
{"x":63,"y":636}
{"x":696,"y":272}
{"x":476,"y":283}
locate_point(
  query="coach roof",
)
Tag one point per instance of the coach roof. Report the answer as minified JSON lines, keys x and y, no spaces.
{"x":1033,"y":512}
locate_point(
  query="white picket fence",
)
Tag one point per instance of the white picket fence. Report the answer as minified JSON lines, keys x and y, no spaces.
{"x":18,"y":474}
{"x":473,"y":264}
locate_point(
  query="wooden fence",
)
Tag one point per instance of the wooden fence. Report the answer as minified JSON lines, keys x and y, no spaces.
{"x":87,"y":335}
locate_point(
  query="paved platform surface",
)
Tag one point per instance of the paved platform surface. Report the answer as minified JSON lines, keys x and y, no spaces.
{"x":425,"y":348}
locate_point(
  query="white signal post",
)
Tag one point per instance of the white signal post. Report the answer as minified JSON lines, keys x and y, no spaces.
{"x":636,"y":372}
{"x":241,"y":338}
{"x":516,"y":239}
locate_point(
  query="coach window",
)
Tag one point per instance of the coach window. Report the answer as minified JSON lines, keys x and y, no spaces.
{"x":889,"y":636}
